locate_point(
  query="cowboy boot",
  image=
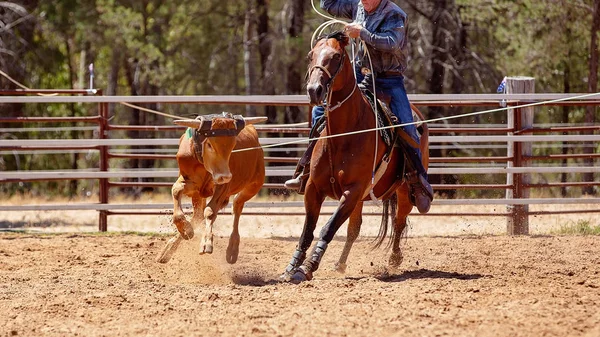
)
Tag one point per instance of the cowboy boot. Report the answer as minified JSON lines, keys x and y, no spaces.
{"x":420,"y":191}
{"x":296,"y":182}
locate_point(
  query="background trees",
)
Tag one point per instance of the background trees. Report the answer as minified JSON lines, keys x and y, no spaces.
{"x":203,"y":47}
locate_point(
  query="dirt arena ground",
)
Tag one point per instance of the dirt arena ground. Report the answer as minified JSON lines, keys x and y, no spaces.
{"x":109,"y":285}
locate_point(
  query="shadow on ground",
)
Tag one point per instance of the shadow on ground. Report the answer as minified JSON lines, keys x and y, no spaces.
{"x":428,"y":274}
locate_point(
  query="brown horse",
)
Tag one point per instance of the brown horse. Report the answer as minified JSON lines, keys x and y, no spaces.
{"x":341,"y":167}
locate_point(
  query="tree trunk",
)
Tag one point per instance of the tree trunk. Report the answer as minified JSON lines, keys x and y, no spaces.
{"x":268,"y":87}
{"x":265,"y":49}
{"x":113,"y":76}
{"x":249,"y":57}
{"x":439,"y":49}
{"x":131,"y":73}
{"x":592,"y":87}
{"x":74,"y":134}
{"x":565,"y":109}
{"x":295,"y":22}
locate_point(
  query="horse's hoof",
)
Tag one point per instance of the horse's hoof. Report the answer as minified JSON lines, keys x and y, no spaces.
{"x":206,"y":249}
{"x":301,"y":275}
{"x":395,"y":260}
{"x":298,"y":278}
{"x":340,"y":268}
{"x":232,"y":255}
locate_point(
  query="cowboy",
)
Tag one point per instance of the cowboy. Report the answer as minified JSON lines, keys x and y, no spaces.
{"x":381,"y":24}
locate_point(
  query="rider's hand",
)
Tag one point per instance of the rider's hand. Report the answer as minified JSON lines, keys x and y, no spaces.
{"x":353,"y":30}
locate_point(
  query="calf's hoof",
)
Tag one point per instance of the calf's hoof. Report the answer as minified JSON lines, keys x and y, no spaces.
{"x":206,"y":248}
{"x":163,"y":258}
{"x":340,"y":268}
{"x":232,"y":254}
{"x":188,"y":231}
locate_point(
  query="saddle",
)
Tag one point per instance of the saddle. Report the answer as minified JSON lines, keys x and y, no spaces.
{"x":392,"y":137}
{"x":387,"y":118}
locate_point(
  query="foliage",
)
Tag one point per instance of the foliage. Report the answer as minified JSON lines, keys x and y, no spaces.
{"x":196,"y":47}
{"x":582,"y":227}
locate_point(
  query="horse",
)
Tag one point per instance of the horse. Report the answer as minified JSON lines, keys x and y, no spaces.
{"x":340,"y":166}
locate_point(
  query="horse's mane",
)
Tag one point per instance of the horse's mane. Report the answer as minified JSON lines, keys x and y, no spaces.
{"x":338,"y":35}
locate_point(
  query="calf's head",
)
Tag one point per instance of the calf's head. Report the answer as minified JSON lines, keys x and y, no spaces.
{"x":214,"y":139}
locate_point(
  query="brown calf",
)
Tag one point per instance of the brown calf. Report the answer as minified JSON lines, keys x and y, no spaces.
{"x":208,"y":168}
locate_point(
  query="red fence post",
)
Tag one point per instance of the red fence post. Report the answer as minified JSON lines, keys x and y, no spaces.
{"x":103,"y":182}
{"x":519,"y":119}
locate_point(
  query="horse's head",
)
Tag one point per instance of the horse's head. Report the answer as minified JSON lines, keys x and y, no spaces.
{"x":326,"y":60}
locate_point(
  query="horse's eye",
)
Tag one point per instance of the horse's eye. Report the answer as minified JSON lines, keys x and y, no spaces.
{"x":337,"y":57}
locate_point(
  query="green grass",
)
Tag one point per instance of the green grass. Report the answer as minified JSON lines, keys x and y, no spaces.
{"x":582,"y":227}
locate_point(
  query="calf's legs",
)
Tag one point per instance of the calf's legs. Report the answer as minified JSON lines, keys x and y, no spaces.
{"x":184,"y":227}
{"x":218,"y":201}
{"x":173,"y":243}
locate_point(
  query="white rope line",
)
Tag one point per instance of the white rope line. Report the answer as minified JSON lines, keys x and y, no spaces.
{"x":330,"y":21}
{"x":476,"y":113}
{"x":149,"y":110}
{"x":124,"y":103}
{"x":21,"y":85}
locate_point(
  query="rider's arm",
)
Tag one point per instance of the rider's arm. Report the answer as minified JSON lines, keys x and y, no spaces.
{"x":391,"y":36}
{"x":340,"y":8}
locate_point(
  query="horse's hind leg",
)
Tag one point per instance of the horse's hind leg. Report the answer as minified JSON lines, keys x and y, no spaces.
{"x":403,"y":209}
{"x":353,"y":231}
{"x":233,"y":248}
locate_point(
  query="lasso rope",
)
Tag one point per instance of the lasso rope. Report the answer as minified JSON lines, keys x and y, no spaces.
{"x":476,"y":113}
{"x":123,"y":103}
{"x":21,"y":85}
{"x":323,"y":26}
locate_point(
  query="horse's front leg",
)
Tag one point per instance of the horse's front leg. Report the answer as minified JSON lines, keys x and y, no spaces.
{"x":348,"y":201}
{"x":313,"y":200}
{"x":353,"y":230}
{"x":210,"y":215}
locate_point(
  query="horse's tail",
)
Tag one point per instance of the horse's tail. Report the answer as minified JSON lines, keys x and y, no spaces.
{"x":389,"y":211}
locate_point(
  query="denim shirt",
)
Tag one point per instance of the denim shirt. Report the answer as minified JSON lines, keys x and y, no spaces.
{"x":384,"y":31}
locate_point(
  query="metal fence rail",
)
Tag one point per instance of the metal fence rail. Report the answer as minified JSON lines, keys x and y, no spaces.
{"x":443,"y":137}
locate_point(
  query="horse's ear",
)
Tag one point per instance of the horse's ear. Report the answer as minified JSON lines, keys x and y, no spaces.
{"x":344,"y":40}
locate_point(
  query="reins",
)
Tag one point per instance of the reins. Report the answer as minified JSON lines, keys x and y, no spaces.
{"x":329,"y":108}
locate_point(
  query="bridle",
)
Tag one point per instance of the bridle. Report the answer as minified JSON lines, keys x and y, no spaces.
{"x":330,"y":81}
{"x":205,"y":131}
